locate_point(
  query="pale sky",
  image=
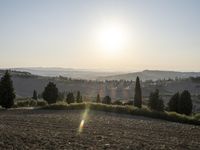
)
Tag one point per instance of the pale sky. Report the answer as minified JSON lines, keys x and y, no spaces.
{"x":116,"y":35}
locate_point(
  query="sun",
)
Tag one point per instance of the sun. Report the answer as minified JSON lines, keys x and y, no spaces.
{"x":111,"y":38}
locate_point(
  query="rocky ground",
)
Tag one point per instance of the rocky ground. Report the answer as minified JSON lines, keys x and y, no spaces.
{"x":50,"y":129}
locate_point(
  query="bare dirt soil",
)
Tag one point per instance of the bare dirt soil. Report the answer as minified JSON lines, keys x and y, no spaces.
{"x":51,"y":129}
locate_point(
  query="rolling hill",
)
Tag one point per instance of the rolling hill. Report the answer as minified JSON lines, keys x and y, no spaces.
{"x":152,"y":75}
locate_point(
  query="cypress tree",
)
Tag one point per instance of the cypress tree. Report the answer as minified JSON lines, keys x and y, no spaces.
{"x":174,"y":102}
{"x":35,"y":96}
{"x":138,"y":94}
{"x":70,"y":98}
{"x":185,"y":104}
{"x":78,"y":97}
{"x":155,"y":101}
{"x":98,"y":99}
{"x":50,"y":93}
{"x":7,"y":94}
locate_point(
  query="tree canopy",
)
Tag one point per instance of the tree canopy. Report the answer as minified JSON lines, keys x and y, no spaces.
{"x":50,"y":93}
{"x":7,"y":94}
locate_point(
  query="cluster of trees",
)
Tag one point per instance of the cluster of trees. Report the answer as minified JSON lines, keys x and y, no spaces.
{"x":179,"y":102}
{"x":51,"y":95}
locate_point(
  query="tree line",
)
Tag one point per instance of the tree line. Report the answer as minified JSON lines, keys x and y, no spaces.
{"x":179,"y":102}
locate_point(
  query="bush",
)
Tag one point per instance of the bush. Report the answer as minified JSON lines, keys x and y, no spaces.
{"x":106,"y":100}
{"x":42,"y":103}
{"x":129,"y":103}
{"x":24,"y":103}
{"x":31,"y":103}
{"x":70,"y":98}
{"x":197,"y":116}
{"x":64,"y":105}
{"x":117,"y":102}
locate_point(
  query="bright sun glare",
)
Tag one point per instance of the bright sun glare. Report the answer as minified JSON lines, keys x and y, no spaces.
{"x":111,"y":38}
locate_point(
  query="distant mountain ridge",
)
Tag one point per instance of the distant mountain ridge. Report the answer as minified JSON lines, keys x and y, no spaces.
{"x":103,"y":75}
{"x":152,"y":75}
{"x":66,"y":72}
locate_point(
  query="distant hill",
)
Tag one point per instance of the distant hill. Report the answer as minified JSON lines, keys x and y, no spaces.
{"x":66,"y":72}
{"x":103,"y":75}
{"x":152,"y":75}
{"x":17,"y":73}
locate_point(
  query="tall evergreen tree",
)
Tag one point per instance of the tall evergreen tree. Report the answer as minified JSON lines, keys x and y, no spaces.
{"x":70,"y":98}
{"x":185,"y":104}
{"x":98,"y":99}
{"x":7,"y":94}
{"x":174,"y":102}
{"x":155,"y":101}
{"x":50,"y":93}
{"x":35,"y":96}
{"x":78,"y":97}
{"x":138,"y":94}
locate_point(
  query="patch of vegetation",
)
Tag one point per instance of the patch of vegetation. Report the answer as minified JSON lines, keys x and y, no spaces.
{"x":41,"y":103}
{"x":31,"y":103}
{"x":64,"y":105}
{"x":197,"y":116}
{"x":144,"y":111}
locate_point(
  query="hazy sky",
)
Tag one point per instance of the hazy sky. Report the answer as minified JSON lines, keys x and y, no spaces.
{"x":146,"y":34}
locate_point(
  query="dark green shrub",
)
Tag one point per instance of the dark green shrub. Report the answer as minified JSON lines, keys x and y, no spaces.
{"x":117,"y":102}
{"x":106,"y":100}
{"x":197,"y":116}
{"x":129,"y":103}
{"x":24,"y":103}
{"x":70,"y":98}
{"x":42,"y":103}
{"x":32,"y":103}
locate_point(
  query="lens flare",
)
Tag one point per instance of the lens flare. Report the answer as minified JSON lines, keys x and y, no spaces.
{"x":81,"y":126}
{"x":84,"y":117}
